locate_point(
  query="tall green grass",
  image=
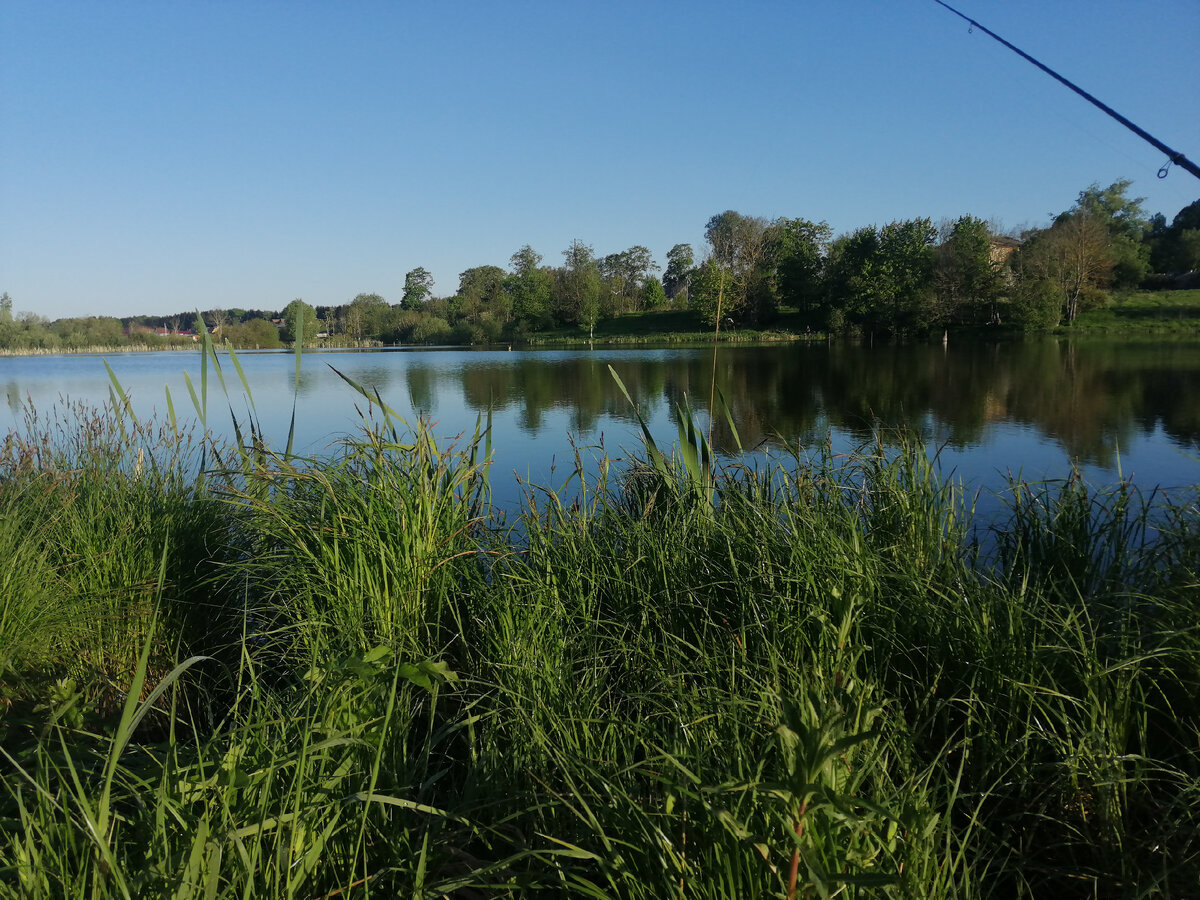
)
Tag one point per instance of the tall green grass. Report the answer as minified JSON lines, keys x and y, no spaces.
{"x":348,"y":677}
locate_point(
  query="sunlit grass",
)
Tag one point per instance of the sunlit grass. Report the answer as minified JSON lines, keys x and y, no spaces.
{"x":1159,"y":312}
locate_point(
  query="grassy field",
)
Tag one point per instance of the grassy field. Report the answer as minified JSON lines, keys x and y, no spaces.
{"x":667,"y":327}
{"x":1157,"y":312}
{"x":1145,"y":312}
{"x":351,"y":678}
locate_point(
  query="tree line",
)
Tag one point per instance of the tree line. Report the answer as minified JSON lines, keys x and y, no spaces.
{"x":904,"y":278}
{"x":911,"y":277}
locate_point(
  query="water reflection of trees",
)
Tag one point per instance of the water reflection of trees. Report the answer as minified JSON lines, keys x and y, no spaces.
{"x":1092,"y":397}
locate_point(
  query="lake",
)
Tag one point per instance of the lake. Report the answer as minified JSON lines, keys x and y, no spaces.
{"x":1034,"y":407}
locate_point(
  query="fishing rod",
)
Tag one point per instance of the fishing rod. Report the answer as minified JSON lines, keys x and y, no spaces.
{"x":1173,"y":156}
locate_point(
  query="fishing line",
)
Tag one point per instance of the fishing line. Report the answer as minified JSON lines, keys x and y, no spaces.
{"x":1174,"y":157}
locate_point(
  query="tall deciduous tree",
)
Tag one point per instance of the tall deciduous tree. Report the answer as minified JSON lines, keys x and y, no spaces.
{"x":531,"y":288}
{"x":579,"y":288}
{"x":625,"y":273}
{"x":881,"y":279}
{"x":707,"y":290}
{"x":653,"y":295}
{"x":799,"y":255}
{"x":1176,"y":247}
{"x":418,"y":287}
{"x":525,"y":260}
{"x":967,"y":278}
{"x":739,"y":245}
{"x":850,"y":281}
{"x":219,"y":318}
{"x":300,"y":322}
{"x":1126,"y":225}
{"x":482,"y":291}
{"x":6,"y":320}
{"x":1073,"y":258}
{"x":367,"y":317}
{"x":680,"y":262}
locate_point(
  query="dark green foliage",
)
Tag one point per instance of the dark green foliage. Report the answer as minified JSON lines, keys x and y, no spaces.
{"x":1176,"y":248}
{"x":579,"y":288}
{"x":418,"y":287}
{"x":799,"y":253}
{"x":254,"y":334}
{"x":882,"y":278}
{"x":1126,"y":224}
{"x":531,"y":287}
{"x":708,"y":291}
{"x":625,"y":274}
{"x":300,"y":323}
{"x":680,"y":261}
{"x":482,"y":296}
{"x":968,"y":279}
{"x":740,"y":247}
{"x":653,"y":295}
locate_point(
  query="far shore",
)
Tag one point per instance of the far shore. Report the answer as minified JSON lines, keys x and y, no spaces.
{"x":1150,"y":314}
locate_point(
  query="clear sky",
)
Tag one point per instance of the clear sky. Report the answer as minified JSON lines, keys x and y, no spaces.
{"x":165,"y":156}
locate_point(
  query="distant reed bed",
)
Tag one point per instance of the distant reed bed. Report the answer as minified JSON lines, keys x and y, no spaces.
{"x":92,"y":350}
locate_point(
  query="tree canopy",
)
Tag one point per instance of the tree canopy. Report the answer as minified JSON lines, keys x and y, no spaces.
{"x":300,"y":322}
{"x":903,"y":278}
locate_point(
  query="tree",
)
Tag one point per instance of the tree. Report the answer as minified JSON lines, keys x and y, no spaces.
{"x":1072,"y":258}
{"x":579,"y":288}
{"x":967,"y":280}
{"x":706,"y":290}
{"x":525,"y":260}
{"x":739,"y":245}
{"x":1034,"y":304}
{"x":625,"y":273}
{"x":418,"y":287}
{"x":1126,"y":225}
{"x":367,"y":317}
{"x":530,"y":289}
{"x":1187,"y":253}
{"x":7,"y":330}
{"x":848,"y":278}
{"x":907,"y":257}
{"x":219,"y":319}
{"x":1188,"y":218}
{"x":1176,"y":248}
{"x":354,"y":322}
{"x":680,"y":261}
{"x":482,"y":291}
{"x":881,"y":279}
{"x":1122,"y":216}
{"x":254,"y":334}
{"x":653,"y":294}
{"x":300,"y":322}
{"x":799,"y":253}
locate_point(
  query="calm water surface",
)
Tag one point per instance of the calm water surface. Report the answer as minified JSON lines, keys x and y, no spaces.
{"x":1036,"y":407}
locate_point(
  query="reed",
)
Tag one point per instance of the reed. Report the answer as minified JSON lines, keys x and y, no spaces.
{"x":349,"y":677}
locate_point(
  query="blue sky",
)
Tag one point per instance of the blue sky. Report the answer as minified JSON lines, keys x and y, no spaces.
{"x":164,"y":156}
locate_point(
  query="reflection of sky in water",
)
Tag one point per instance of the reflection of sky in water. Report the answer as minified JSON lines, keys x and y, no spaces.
{"x":535,"y":408}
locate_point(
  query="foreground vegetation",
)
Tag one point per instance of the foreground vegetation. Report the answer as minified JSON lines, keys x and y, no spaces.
{"x":351,"y":677}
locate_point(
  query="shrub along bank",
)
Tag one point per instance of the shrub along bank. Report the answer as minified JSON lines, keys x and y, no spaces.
{"x":349,"y":678}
